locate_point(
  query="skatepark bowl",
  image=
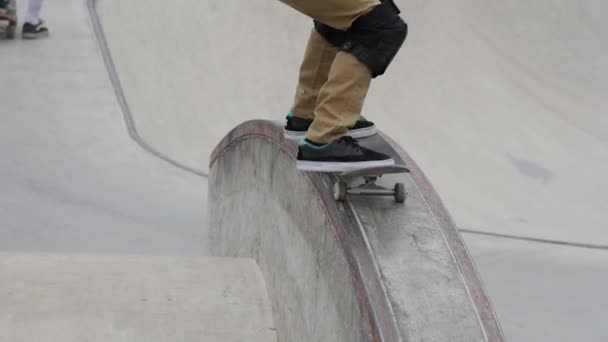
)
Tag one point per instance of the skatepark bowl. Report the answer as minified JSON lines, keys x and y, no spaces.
{"x":355,"y":271}
{"x":147,"y":192}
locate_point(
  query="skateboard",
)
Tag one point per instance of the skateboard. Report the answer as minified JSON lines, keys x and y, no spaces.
{"x":368,"y":186}
{"x":10,"y":15}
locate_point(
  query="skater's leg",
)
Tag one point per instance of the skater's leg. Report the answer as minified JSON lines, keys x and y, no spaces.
{"x":366,"y":50}
{"x":340,"y":100}
{"x":339,"y":14}
{"x":373,"y":32}
{"x":314,"y":72}
{"x":319,"y":58}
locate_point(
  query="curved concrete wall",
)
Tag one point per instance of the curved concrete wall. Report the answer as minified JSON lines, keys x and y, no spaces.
{"x":192,"y":70}
{"x":260,"y":209}
{"x":509,"y":95}
{"x":367,"y":270}
{"x":501,"y":102}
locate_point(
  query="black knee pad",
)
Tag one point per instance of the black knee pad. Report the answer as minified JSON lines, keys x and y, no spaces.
{"x":375,"y":38}
{"x":333,"y":36}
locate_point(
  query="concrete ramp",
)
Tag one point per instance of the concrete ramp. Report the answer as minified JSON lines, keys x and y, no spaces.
{"x":365,"y":270}
{"x":502,"y":102}
{"x":71,"y":298}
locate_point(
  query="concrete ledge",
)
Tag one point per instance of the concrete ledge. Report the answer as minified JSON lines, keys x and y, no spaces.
{"x":366,"y":270}
{"x":129,"y":298}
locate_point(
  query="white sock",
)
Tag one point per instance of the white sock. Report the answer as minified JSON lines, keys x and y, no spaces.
{"x":33,"y":12}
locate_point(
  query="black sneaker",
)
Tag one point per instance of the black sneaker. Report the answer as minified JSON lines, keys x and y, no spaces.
{"x":296,"y":128}
{"x":341,"y":155}
{"x":31,"y":31}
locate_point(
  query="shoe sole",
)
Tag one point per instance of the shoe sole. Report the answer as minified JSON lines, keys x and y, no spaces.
{"x":355,"y":133}
{"x":330,"y":167}
{"x":34,"y":35}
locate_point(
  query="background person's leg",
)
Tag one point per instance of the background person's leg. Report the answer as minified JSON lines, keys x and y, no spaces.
{"x":33,"y":11}
{"x":33,"y":27}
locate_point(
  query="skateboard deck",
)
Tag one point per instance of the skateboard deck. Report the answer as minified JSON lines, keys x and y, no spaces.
{"x":368,"y":186}
{"x":9,"y":15}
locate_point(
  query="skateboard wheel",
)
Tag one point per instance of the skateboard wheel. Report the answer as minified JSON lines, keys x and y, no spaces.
{"x":400,"y":193}
{"x":340,"y":191}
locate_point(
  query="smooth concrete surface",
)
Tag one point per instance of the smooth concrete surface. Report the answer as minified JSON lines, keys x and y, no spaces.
{"x":563,"y":288}
{"x":319,"y":257}
{"x":500,"y":102}
{"x":193,"y":70}
{"x":126,"y":298}
{"x":71,"y":178}
{"x":418,"y":268}
{"x":507,"y":93}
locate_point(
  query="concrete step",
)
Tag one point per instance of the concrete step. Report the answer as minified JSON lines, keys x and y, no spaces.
{"x":132,"y":298}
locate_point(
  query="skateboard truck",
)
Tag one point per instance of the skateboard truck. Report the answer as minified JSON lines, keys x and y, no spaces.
{"x":369,"y":187}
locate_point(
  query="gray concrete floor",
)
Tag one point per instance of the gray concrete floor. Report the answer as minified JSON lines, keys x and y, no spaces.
{"x":71,"y":178}
{"x":501,"y":103}
{"x":99,"y":298}
{"x":543,"y":292}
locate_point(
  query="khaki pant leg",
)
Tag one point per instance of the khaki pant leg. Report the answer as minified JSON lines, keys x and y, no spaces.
{"x":340,"y":99}
{"x":318,"y":59}
{"x":339,"y":14}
